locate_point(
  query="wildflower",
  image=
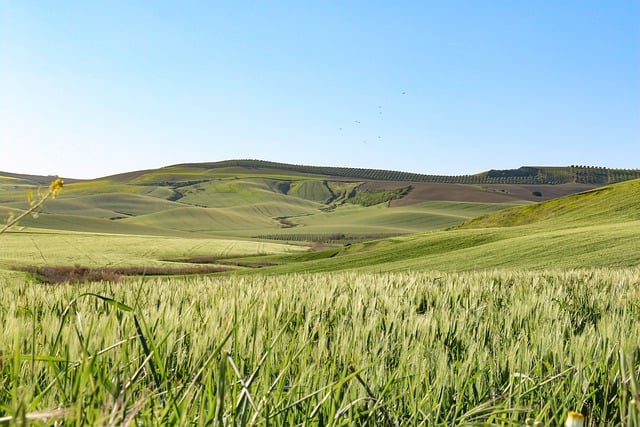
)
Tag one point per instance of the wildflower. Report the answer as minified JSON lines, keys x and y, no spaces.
{"x":574,"y":419}
{"x":55,"y":187}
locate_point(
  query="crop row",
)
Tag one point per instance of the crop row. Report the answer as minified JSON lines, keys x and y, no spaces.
{"x":523,"y":175}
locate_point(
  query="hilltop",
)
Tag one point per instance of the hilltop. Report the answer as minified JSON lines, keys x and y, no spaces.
{"x":551,"y":175}
{"x":523,"y":175}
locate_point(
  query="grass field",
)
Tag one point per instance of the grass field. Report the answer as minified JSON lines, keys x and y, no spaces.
{"x":327,"y":349}
{"x":599,"y":228}
{"x":24,"y":249}
{"x":473,"y":313}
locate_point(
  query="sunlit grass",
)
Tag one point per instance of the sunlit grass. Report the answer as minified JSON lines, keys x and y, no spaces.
{"x":605,"y":245}
{"x":28,"y":248}
{"x":330,"y":349}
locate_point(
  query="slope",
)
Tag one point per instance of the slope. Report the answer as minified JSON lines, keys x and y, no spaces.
{"x":614,"y":203}
{"x":599,"y":228}
{"x":248,"y":198}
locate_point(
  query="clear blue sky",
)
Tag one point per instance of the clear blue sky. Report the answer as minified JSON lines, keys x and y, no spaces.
{"x":92,"y":88}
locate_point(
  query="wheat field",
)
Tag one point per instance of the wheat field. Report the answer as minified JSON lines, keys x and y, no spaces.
{"x":483,"y":348}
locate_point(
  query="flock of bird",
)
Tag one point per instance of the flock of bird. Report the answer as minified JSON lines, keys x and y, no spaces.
{"x":358,"y":122}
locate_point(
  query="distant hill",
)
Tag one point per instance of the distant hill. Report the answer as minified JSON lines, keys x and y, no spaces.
{"x":597,"y":228}
{"x":523,"y":175}
{"x":8,"y":178}
{"x":278,"y":201}
{"x":549,"y":175}
{"x":391,"y":223}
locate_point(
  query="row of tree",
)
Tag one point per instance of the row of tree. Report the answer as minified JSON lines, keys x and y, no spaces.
{"x":523,"y":175}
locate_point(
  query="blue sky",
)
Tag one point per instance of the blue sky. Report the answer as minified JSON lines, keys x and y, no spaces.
{"x":89,"y":89}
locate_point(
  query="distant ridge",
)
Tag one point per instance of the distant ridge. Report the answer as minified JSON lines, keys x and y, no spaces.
{"x":27,"y":179}
{"x":524,"y":175}
{"x":532,"y":175}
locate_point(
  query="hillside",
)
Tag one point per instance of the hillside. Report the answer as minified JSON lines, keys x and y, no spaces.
{"x":252,"y":198}
{"x":522,"y":175}
{"x":597,"y":228}
{"x":609,"y":204}
{"x":242,"y":217}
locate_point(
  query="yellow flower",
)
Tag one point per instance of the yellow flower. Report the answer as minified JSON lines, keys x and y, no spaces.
{"x":56,"y":186}
{"x":574,"y":419}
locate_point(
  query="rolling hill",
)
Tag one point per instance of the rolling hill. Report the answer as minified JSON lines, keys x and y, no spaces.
{"x":368,"y":220}
{"x":597,"y":228}
{"x":252,"y":198}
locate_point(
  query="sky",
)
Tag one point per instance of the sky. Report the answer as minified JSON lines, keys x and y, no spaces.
{"x":94,"y":88}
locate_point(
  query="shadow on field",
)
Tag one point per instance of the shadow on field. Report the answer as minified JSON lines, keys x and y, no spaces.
{"x":79,"y":274}
{"x":231,"y":260}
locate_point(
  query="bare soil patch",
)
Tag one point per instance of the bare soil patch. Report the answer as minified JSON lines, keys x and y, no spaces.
{"x":80,"y":274}
{"x":486,"y":193}
{"x":222,"y":260}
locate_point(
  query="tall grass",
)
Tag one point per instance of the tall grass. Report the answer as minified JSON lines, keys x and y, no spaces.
{"x":324,"y":349}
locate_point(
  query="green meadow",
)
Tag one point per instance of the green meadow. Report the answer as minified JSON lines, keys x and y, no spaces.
{"x":254,"y":293}
{"x":492,"y":348}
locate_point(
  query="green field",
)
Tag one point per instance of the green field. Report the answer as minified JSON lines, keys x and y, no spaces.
{"x":327,"y":349}
{"x":599,"y":228}
{"x":479,"y":308}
